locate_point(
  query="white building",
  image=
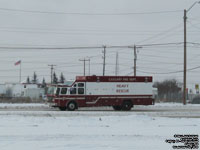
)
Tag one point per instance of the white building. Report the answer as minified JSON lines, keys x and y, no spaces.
{"x":23,"y":90}
{"x":13,"y":89}
{"x":34,"y":93}
{"x":2,"y":89}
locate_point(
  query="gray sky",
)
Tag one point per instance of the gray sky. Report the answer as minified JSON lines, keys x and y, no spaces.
{"x":90,"y":23}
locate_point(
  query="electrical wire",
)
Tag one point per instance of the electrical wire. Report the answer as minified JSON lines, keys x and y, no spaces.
{"x":180,"y":71}
{"x":160,"y":34}
{"x":89,"y":47}
{"x":78,"y":33}
{"x":90,"y":14}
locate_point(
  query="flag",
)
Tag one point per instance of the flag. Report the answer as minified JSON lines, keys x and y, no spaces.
{"x":18,"y":62}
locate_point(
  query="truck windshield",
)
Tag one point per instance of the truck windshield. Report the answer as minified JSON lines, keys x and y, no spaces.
{"x":69,"y":83}
{"x":50,"y":90}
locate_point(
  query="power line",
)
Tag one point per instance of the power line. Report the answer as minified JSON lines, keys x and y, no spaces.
{"x":156,"y":56}
{"x":99,"y":33}
{"x":180,"y":71}
{"x":82,"y":30}
{"x":51,"y":48}
{"x":154,"y":68}
{"x":160,"y":44}
{"x":194,"y":43}
{"x":90,"y":47}
{"x":90,"y":14}
{"x":194,"y":26}
{"x":162,"y":33}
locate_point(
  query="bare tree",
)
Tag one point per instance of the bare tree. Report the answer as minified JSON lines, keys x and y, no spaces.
{"x":168,"y":90}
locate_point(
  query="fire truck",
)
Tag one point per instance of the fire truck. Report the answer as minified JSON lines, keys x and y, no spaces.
{"x":120,"y":92}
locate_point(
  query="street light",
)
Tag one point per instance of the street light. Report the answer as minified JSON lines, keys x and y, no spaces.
{"x":185,"y":52}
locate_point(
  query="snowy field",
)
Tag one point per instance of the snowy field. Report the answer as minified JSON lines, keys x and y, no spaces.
{"x":38,"y":127}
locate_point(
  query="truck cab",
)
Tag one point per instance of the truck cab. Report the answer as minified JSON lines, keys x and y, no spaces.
{"x":75,"y":89}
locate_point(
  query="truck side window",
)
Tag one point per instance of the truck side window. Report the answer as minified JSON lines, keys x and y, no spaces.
{"x":80,"y":84}
{"x":72,"y":90}
{"x":64,"y":91}
{"x":80,"y":90}
{"x":57,"y":91}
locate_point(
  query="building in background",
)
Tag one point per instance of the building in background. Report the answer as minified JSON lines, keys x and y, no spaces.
{"x":10,"y":90}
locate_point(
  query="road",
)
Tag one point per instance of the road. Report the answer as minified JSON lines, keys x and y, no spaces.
{"x":157,"y":110}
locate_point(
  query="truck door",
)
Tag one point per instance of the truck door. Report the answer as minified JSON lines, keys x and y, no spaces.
{"x":80,"y":92}
{"x":81,"y":88}
{"x":78,"y":89}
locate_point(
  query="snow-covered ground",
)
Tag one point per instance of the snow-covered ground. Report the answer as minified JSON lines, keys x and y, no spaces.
{"x":37,"y":127}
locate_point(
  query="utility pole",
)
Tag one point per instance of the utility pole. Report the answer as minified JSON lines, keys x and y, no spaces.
{"x":116,"y":65}
{"x":89,"y":66}
{"x":185,"y":58}
{"x":84,"y":60}
{"x":185,"y":52}
{"x":52,"y":67}
{"x":104,"y":60}
{"x":135,"y":57}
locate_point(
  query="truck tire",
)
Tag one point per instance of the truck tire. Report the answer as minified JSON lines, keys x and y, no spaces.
{"x":62,"y":108}
{"x":127,"y":105}
{"x":71,"y":106}
{"x":117,"y":108}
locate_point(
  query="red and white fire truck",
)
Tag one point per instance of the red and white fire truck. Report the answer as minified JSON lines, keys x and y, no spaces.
{"x":120,"y":92}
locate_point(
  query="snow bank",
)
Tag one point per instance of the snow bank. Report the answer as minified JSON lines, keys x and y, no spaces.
{"x":89,"y":130}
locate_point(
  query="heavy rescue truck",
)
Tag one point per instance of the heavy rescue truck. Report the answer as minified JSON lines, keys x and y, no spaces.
{"x":120,"y":92}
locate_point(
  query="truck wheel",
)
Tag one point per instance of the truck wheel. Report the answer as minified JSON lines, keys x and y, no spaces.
{"x":127,"y":105}
{"x":117,"y":107}
{"x":71,"y":106}
{"x":62,"y":108}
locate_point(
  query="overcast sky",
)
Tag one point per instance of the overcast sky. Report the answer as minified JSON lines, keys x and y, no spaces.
{"x":26,"y":23}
